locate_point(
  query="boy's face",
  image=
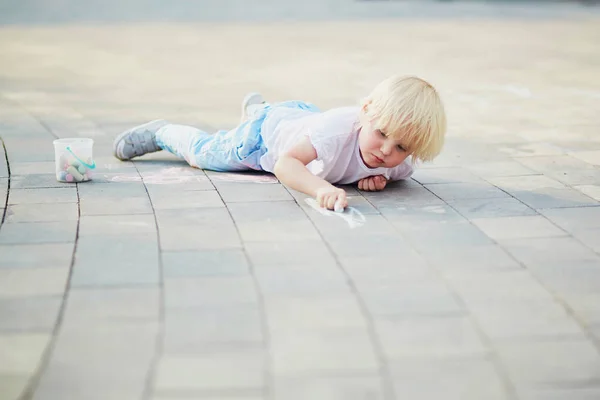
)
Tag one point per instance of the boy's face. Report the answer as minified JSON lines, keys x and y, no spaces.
{"x":379,"y":150}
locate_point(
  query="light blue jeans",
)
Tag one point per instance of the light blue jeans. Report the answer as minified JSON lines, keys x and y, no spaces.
{"x":238,"y":149}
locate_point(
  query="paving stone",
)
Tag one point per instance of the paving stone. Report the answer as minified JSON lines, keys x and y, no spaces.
{"x":52,"y":255}
{"x":272,"y":222}
{"x":491,"y":208}
{"x":563,"y":168}
{"x":587,"y":307}
{"x":590,"y":157}
{"x":384,"y":246}
{"x":42,"y":212}
{"x":410,"y":268}
{"x":43,"y":195}
{"x":459,"y":191}
{"x":302,"y":281}
{"x":265,"y":254}
{"x":468,"y":260}
{"x":321,"y":351}
{"x":13,"y":385}
{"x":403,"y":196}
{"x":410,"y":216}
{"x":543,"y":252}
{"x":338,"y":228}
{"x":548,"y":363}
{"x":38,"y":232}
{"x":211,"y":371}
{"x":445,"y":175}
{"x":186,"y":199}
{"x":560,"y":394}
{"x":329,"y":388}
{"x":111,"y":191}
{"x":196,"y":330}
{"x":426,"y":298}
{"x":123,"y":206}
{"x":106,"y":305}
{"x":139,"y":225}
{"x":34,"y":181}
{"x":251,"y":192}
{"x":499,"y":168}
{"x":592,"y":191}
{"x":311,"y":313}
{"x":430,"y":337}
{"x":21,"y":353}
{"x":469,"y":378}
{"x":455,"y":234}
{"x":574,"y":219}
{"x":33,"y":282}
{"x":196,"y":229}
{"x":27,"y":314}
{"x":202,"y":396}
{"x":518,"y":227}
{"x":116,"y":260}
{"x":209,"y":291}
{"x":204,"y":263}
{"x":29,"y":168}
{"x":590,"y":238}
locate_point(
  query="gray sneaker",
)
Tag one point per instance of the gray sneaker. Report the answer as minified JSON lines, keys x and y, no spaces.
{"x":138,"y":141}
{"x":251,"y":103}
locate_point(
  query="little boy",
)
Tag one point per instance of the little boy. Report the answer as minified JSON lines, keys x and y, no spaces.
{"x":309,"y":150}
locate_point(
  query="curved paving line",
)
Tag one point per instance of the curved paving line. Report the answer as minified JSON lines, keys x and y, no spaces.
{"x":160,"y":336}
{"x":268,"y":381}
{"x":8,"y":183}
{"x":385,"y":374}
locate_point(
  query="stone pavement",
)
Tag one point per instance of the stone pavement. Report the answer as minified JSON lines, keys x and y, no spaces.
{"x":477,"y":279}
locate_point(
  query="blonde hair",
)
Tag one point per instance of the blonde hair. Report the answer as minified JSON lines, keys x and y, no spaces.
{"x":409,"y":108}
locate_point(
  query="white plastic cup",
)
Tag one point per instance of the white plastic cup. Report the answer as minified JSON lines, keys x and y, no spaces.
{"x":73,"y":159}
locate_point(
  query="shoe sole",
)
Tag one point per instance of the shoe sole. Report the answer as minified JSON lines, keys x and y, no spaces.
{"x":136,"y":129}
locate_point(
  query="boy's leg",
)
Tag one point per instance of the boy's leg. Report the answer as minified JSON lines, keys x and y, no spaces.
{"x":236,"y":150}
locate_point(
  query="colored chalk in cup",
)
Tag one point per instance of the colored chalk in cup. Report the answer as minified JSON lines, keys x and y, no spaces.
{"x":75,"y":173}
{"x":81,"y":169}
{"x":69,"y":178}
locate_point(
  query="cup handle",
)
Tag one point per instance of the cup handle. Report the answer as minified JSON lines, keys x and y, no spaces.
{"x":90,"y":166}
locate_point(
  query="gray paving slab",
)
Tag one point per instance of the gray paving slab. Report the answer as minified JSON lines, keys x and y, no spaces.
{"x":215,"y":371}
{"x":38,"y":232}
{"x":235,"y":192}
{"x":116,"y":260}
{"x":22,"y":352}
{"x":42,"y":212}
{"x":198,"y":330}
{"x":208,"y":291}
{"x":456,"y":379}
{"x":204,"y":263}
{"x":49,"y":255}
{"x":44,"y":195}
{"x":29,"y":313}
{"x":33,"y":281}
{"x":429,"y":337}
{"x":34,"y":181}
{"x":186,"y":199}
{"x":13,"y":385}
{"x":491,"y":208}
{"x":574,"y":219}
{"x":560,"y":394}
{"x":459,"y":191}
{"x":518,"y":227}
{"x":265,"y":254}
{"x":328,"y":388}
{"x":547,"y":363}
{"x":319,"y":351}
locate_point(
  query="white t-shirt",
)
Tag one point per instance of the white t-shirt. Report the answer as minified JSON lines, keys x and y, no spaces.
{"x":333,"y":134}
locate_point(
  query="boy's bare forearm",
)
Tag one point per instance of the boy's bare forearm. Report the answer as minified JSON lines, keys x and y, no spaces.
{"x":292,"y":173}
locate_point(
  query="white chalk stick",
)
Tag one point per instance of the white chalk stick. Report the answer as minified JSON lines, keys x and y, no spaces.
{"x":337,"y":207}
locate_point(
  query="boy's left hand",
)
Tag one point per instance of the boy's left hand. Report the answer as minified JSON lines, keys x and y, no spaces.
{"x":372,"y":183}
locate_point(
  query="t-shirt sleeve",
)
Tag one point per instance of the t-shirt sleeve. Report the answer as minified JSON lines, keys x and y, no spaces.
{"x":328,"y":133}
{"x":402,"y":171}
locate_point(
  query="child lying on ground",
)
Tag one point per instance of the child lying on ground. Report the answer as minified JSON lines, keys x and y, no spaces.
{"x":310,"y":150}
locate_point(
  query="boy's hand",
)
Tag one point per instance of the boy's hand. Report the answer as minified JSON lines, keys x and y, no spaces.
{"x":372,"y":183}
{"x":326,"y":197}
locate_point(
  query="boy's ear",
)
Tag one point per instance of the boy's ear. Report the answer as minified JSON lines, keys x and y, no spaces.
{"x":365,"y":106}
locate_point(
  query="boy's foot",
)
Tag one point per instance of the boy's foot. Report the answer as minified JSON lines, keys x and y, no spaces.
{"x":138,"y":141}
{"x":249,"y":105}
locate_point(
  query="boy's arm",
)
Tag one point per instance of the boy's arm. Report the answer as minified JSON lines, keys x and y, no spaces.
{"x":291,"y":170}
